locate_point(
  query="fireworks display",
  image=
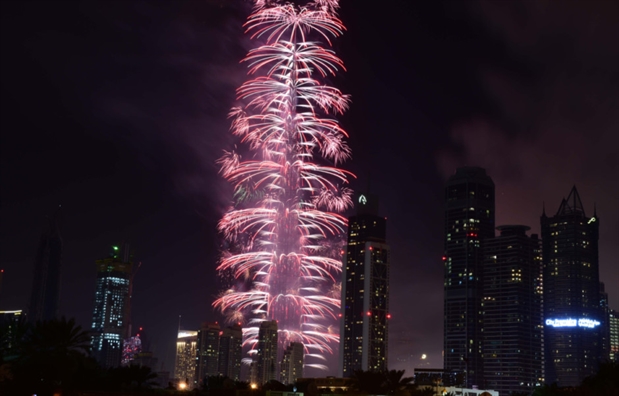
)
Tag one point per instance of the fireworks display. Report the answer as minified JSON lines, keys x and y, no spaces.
{"x":281,"y":229}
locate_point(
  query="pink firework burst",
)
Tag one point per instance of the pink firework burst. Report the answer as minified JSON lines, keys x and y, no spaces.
{"x":289,"y":192}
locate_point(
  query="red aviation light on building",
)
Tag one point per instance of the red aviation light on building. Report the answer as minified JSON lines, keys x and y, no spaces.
{"x":371,"y":248}
{"x":339,"y":315}
{"x":444,"y":258}
{"x":388,"y":316}
{"x":369,"y":313}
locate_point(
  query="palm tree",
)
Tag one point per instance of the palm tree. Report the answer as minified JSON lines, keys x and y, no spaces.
{"x":394,"y":381}
{"x":52,"y":353}
{"x":60,"y":337}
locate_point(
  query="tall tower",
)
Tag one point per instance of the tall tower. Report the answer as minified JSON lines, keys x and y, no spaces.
{"x":230,"y":352}
{"x":512,"y":298}
{"x":266,"y":366}
{"x":185,"y":367}
{"x":573,"y":330}
{"x":469,"y":220}
{"x":45,"y":293}
{"x":207,"y":352}
{"x":292,"y":364}
{"x":109,"y":324}
{"x":365,"y":291}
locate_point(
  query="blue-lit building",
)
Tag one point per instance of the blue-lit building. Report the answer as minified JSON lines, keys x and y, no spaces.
{"x":365,"y":291}
{"x":574,"y":321}
{"x":109,"y":321}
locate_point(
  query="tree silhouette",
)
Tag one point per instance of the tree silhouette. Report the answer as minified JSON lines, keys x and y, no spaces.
{"x":395,"y":381}
{"x":57,"y":338}
{"x":605,"y":382}
{"x":131,"y":377}
{"x":47,"y":356}
{"x":370,"y":382}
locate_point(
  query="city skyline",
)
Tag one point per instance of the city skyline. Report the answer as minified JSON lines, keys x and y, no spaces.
{"x":130,"y":119}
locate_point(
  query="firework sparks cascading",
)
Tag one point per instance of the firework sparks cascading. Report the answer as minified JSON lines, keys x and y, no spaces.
{"x":288,"y":194}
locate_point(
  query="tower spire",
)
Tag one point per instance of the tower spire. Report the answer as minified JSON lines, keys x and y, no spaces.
{"x":572,"y":204}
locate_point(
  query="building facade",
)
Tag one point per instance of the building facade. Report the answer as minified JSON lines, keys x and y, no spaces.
{"x":186,"y":352}
{"x":292,"y":364}
{"x":266,"y":363}
{"x":231,"y":352}
{"x":573,"y":322}
{"x":512,"y":311}
{"x":11,"y":323}
{"x":613,"y":333}
{"x":365,"y":291}
{"x":45,"y":294}
{"x":207,"y":352}
{"x":109,"y":322}
{"x":469,"y":221}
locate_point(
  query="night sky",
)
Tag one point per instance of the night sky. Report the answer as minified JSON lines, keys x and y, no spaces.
{"x":117,"y":110}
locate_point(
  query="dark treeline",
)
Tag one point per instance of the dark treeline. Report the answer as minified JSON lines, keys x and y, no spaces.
{"x":53,"y":357}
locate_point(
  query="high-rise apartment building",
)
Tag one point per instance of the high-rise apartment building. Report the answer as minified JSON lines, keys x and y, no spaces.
{"x":45,"y":294}
{"x":231,"y":352}
{"x":573,"y":322}
{"x":186,"y":352}
{"x":266,"y":364}
{"x":365,"y":291}
{"x":10,"y":323}
{"x":469,"y":220}
{"x":613,"y":332}
{"x":292,"y":364}
{"x":109,"y":322}
{"x":207,"y":352}
{"x":512,"y":311}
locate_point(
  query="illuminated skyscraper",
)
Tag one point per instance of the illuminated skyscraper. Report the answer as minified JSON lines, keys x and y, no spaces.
{"x":469,"y":220}
{"x":186,"y":347}
{"x":292,"y":364}
{"x":613,"y":332}
{"x":230,"y":352}
{"x":207,"y":352}
{"x":45,"y":293}
{"x":10,"y":322}
{"x":512,"y":311}
{"x":109,"y":322}
{"x":266,"y":364}
{"x":365,"y":291}
{"x":573,"y":319}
